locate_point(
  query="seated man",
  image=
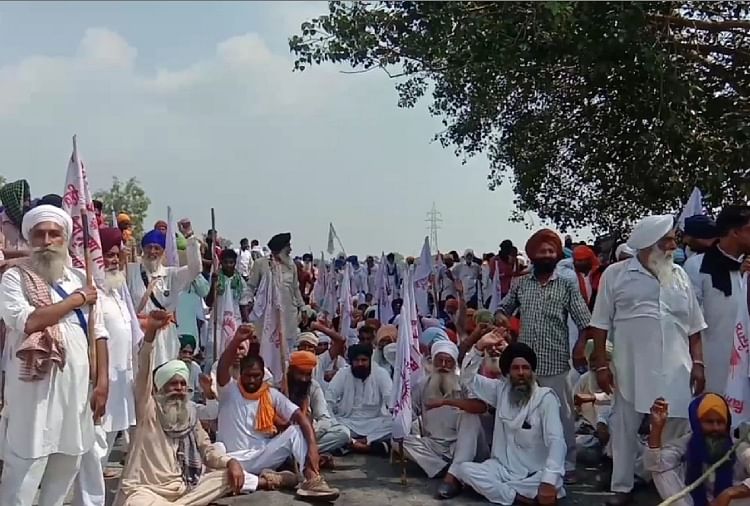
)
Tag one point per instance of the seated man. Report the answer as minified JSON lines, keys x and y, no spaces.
{"x":307,"y":393}
{"x":595,"y":408}
{"x":329,"y":361}
{"x":528,"y":448}
{"x":451,"y":426}
{"x":359,"y":395}
{"x":248,"y":408}
{"x":170,"y":448}
{"x":687,"y":458}
{"x":386,"y":335}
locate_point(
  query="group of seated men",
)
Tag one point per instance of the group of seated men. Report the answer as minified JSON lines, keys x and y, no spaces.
{"x":279,"y":437}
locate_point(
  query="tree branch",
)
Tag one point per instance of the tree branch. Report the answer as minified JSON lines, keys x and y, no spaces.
{"x":709,"y":26}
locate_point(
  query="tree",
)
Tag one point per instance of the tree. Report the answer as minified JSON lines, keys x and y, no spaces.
{"x":128,"y":197}
{"x":596,"y":112}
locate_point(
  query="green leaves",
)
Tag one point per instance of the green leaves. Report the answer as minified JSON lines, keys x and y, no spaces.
{"x":595,"y":112}
{"x":128,"y":197}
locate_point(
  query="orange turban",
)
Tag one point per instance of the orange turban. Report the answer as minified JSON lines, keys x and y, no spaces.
{"x":305,"y":361}
{"x":544,"y":236}
{"x":123,"y":218}
{"x":712,"y":402}
{"x":585,"y":254}
{"x":373,"y":322}
{"x":451,"y":304}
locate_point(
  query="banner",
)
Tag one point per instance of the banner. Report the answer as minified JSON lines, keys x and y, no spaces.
{"x":228,"y":318}
{"x":77,"y":198}
{"x":496,"y":294}
{"x":422,"y":276}
{"x":345,"y":302}
{"x":737,"y":392}
{"x":331,"y":235}
{"x":173,"y":259}
{"x":385,"y":312}
{"x":267,"y":309}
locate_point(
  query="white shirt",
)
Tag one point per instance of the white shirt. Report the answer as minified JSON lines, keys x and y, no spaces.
{"x":470,"y":276}
{"x":236,"y":428}
{"x":51,"y":415}
{"x":120,"y":413}
{"x":244,"y":262}
{"x":649,"y":326}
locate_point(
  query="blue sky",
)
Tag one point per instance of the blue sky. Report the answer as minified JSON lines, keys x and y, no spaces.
{"x":199,"y":102}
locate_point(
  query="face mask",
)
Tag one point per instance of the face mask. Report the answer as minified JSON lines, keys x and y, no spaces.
{"x":545,"y":266}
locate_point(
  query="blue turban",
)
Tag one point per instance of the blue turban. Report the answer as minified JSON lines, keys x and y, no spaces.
{"x":432,"y":334}
{"x":354,"y":261}
{"x":156,"y":237}
{"x":679,"y":256}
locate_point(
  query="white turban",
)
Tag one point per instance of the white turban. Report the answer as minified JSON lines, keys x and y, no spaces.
{"x":649,"y":230}
{"x":441,"y":346}
{"x":322,"y":338}
{"x":307,"y":337}
{"x":43,"y":213}
{"x":165,"y":373}
{"x":623,"y":249}
{"x":389,"y":353}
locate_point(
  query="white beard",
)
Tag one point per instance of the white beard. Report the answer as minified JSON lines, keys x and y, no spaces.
{"x":492,"y":364}
{"x":173,"y":413}
{"x":661,"y":265}
{"x":50,"y":262}
{"x":114,"y":280}
{"x":150,"y":265}
{"x":441,"y":385}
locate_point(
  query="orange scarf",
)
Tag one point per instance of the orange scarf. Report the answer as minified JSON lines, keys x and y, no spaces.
{"x":266,"y":412}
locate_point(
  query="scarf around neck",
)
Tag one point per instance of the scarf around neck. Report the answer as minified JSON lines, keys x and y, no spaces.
{"x":264,"y":418}
{"x":234,"y":282}
{"x":719,"y":266}
{"x":188,"y":455}
{"x":513,"y":417}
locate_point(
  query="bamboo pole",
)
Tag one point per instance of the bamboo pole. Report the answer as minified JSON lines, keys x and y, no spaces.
{"x":214,"y":284}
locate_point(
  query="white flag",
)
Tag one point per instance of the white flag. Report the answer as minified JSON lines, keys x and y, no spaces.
{"x":693,"y":207}
{"x":407,"y":368}
{"x":345,"y":301}
{"x":268,"y":310}
{"x":319,"y":288}
{"x":77,"y":198}
{"x":331,"y":303}
{"x":331,"y":235}
{"x":228,"y":318}
{"x":385,"y":312}
{"x":496,"y":294}
{"x":422,"y":279}
{"x":737,"y":391}
{"x":173,"y":259}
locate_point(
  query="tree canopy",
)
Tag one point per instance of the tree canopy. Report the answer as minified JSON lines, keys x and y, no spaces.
{"x":595,"y":112}
{"x":128,"y":197}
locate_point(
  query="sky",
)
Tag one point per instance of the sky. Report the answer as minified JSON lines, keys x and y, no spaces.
{"x":198,"y":101}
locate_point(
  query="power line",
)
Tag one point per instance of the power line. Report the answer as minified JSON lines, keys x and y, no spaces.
{"x":434,"y":218}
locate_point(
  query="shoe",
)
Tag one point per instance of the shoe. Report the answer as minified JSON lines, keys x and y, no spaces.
{"x":620,"y":499}
{"x":447,"y":491}
{"x":571,"y":478}
{"x":317,"y":488}
{"x":284,"y":480}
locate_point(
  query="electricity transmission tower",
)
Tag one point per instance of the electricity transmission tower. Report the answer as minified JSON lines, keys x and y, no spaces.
{"x":434,"y":218}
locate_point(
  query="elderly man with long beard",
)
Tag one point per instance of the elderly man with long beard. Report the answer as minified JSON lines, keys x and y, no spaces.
{"x":48,"y":422}
{"x":120,"y":414}
{"x":307,"y":393}
{"x":527,"y":461}
{"x":545,"y":300}
{"x":359,"y":396}
{"x":170,"y":449}
{"x":682,"y":462}
{"x":648,"y":309}
{"x":451,"y":428}
{"x":156,"y":287}
{"x":249,"y":410}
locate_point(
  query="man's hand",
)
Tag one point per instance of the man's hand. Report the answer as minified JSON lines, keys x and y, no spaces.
{"x":155,"y":321}
{"x":459,"y":287}
{"x":490,"y":340}
{"x":206,"y":384}
{"x":581,"y":399}
{"x":659,"y":413}
{"x":313,"y":458}
{"x":88,"y":296}
{"x":697,"y":379}
{"x":244,"y":332}
{"x":579,"y":355}
{"x":185,"y":227}
{"x":235,"y":476}
{"x":547,"y":494}
{"x":98,"y":402}
{"x":434,"y":403}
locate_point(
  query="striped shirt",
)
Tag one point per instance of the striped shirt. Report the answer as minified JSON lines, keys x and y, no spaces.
{"x":544,"y":311}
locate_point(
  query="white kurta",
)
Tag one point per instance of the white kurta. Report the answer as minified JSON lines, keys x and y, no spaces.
{"x":362,"y":405}
{"x":649,"y":326}
{"x":170,"y":282}
{"x":51,"y":415}
{"x":720,"y":312}
{"x":120,"y":413}
{"x":528,"y":446}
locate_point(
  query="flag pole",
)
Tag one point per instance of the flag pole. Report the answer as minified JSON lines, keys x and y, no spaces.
{"x":214,"y":284}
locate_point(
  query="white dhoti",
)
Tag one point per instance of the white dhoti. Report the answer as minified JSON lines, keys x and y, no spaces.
{"x":433,"y":455}
{"x":562,"y":387}
{"x":290,"y":443}
{"x":22,"y":477}
{"x":89,"y":487}
{"x":497,"y":484}
{"x":332,"y":438}
{"x":373,"y":429}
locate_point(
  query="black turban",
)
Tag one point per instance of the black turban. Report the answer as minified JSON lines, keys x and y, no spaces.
{"x":279,"y":242}
{"x":701,"y":227}
{"x":358,"y":350}
{"x":514,"y":351}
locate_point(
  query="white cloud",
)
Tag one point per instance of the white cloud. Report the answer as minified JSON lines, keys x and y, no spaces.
{"x":106,"y":48}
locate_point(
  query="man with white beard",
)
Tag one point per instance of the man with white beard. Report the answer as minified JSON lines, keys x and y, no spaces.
{"x":527,"y":462}
{"x":647,"y":307}
{"x":451,"y":428}
{"x":170,"y":449}
{"x":120,"y":414}
{"x":48,"y":418}
{"x":156,"y":287}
